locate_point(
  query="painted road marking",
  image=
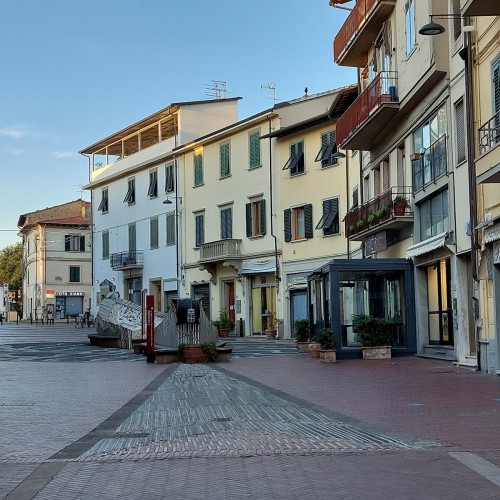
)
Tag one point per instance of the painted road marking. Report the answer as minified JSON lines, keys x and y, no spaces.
{"x":479,"y":465}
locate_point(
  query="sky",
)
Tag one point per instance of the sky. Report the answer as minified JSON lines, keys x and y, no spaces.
{"x":74,"y":72}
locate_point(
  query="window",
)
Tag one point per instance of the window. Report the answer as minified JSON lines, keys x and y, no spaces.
{"x":74,"y":243}
{"x":153,"y":233}
{"x":329,"y":221}
{"x":132,"y":240}
{"x":74,"y":274}
{"x":410,"y":26}
{"x":298,"y":223}
{"x":355,"y":197}
{"x":328,"y":148}
{"x":429,"y":145}
{"x":105,"y":245}
{"x":296,"y":161}
{"x":457,"y":20}
{"x":198,"y":169}
{"x":153,"y":183}
{"x":225,"y":157}
{"x":200,"y":229}
{"x":103,"y":206}
{"x":460,"y":130}
{"x":254,"y":149}
{"x":226,"y":223}
{"x":130,"y":196}
{"x":256,"y":218}
{"x":169,"y":178}
{"x":434,"y":216}
{"x":171,"y":229}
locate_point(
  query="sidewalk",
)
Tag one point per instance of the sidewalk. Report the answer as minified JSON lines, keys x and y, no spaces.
{"x":272,"y":427}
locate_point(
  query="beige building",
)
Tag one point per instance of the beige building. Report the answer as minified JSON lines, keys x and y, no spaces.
{"x":56,"y":261}
{"x":485,"y":130}
{"x":409,"y":126}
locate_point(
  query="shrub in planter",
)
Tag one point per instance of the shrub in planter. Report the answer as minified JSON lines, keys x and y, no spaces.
{"x":326,"y":341}
{"x":372,"y":331}
{"x":224,"y":324}
{"x":301,"y":330}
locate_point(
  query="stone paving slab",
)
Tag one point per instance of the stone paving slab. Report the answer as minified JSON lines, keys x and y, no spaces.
{"x":199,"y":411}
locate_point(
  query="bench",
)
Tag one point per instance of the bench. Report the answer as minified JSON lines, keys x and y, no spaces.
{"x":104,"y":340}
{"x":166,"y":355}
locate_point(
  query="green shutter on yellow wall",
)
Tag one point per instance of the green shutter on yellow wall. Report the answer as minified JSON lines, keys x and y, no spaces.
{"x":225,"y":168}
{"x":198,"y":170}
{"x":254,"y":147}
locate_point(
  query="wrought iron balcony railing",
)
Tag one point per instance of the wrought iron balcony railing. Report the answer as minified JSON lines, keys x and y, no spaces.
{"x":380,"y":211}
{"x":429,"y":164}
{"x":127,"y":260}
{"x":489,"y":134}
{"x":382,"y":90}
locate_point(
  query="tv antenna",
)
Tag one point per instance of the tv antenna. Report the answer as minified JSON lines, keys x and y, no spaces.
{"x":216,"y":90}
{"x":271,"y":88}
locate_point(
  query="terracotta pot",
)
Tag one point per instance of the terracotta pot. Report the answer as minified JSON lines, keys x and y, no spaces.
{"x":194,"y":354}
{"x":313,"y":349}
{"x":328,"y":355}
{"x":400,"y":208}
{"x":302,"y":346}
{"x":224,"y":332}
{"x":271,"y":334}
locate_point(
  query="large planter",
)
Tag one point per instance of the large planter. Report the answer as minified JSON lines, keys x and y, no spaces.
{"x":224,"y":332}
{"x":400,"y":208}
{"x":302,"y":346}
{"x":313,"y":349}
{"x":379,"y":352}
{"x":328,"y":355}
{"x":194,"y":354}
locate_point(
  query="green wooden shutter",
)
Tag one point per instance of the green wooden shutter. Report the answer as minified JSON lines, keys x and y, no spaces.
{"x":198,"y":170}
{"x":67,"y":243}
{"x":308,"y":221}
{"x":287,"y":222}
{"x":248,"y":214}
{"x":263,"y":217}
{"x":254,"y":147}
{"x":225,"y":166}
{"x":82,"y":243}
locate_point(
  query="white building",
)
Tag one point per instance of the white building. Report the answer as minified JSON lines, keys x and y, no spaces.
{"x":134,"y":184}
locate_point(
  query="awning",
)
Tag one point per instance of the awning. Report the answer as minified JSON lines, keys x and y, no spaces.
{"x":427,"y":245}
{"x":492,"y":233}
{"x":258,"y":266}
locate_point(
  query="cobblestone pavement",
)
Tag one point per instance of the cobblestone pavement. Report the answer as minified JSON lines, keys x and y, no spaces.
{"x":259,"y":427}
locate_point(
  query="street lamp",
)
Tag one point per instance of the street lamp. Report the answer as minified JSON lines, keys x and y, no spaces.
{"x":432,"y":28}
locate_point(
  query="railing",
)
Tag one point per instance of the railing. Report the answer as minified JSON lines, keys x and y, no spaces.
{"x":393,"y":203}
{"x":219,"y":250}
{"x":132,"y":258}
{"x":429,"y":164}
{"x":355,"y":21}
{"x":383,"y":89}
{"x":489,"y":134}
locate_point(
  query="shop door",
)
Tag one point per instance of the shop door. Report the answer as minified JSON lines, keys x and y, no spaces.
{"x":263,"y":302}
{"x":229,"y":298}
{"x":439,"y":303}
{"x":74,"y":306}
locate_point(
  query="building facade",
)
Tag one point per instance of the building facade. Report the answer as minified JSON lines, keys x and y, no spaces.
{"x":57,"y":261}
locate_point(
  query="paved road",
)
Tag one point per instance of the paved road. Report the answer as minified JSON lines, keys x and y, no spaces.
{"x":267,"y":425}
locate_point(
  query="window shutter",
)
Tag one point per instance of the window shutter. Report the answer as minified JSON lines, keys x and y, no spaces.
{"x":131,"y":237}
{"x":226,"y":224}
{"x":200,"y":230}
{"x":496,"y":88}
{"x":287,"y":222}
{"x":67,"y":243}
{"x":308,"y":221}
{"x":82,"y":243}
{"x":225,"y":168}
{"x":460,"y":127}
{"x":248,"y":212}
{"x":263,"y":217}
{"x":254,"y":147}
{"x":198,"y":170}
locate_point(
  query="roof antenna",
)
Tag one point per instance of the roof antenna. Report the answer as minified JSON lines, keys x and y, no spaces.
{"x":271,"y":89}
{"x":216,"y":90}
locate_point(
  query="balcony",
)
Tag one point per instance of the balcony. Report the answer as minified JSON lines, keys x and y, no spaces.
{"x":389,"y":211}
{"x":367,"y":117}
{"x":225,"y":252}
{"x":132,"y":259}
{"x":353,"y":41}
{"x":480,"y":8}
{"x":488,"y":161}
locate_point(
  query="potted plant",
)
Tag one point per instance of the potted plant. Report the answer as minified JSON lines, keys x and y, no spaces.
{"x":301,"y":334}
{"x":371,"y":218}
{"x":359,"y":224}
{"x":374,"y":334}
{"x":380,"y":212}
{"x":352,"y":228}
{"x":272,"y":324}
{"x":400,"y":204}
{"x":326,"y":341}
{"x":191,"y":353}
{"x":224,"y":324}
{"x":313,"y":345}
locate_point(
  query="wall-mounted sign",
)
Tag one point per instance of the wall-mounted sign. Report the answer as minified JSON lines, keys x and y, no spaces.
{"x":70,"y":294}
{"x":50,"y":294}
{"x":375,"y":243}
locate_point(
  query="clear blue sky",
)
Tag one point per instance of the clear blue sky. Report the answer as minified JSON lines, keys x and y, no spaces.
{"x":73,"y":72}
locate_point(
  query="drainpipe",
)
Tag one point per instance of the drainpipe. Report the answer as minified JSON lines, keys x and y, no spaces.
{"x":467,"y":56}
{"x":91,"y":235}
{"x":277,"y":273}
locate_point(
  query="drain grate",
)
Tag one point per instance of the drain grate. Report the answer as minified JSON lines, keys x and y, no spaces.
{"x":222,"y":419}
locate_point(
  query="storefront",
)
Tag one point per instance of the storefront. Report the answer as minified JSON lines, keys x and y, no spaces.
{"x":69,"y":304}
{"x":378,"y":287}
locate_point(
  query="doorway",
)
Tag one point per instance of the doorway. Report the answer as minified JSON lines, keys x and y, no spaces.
{"x":263,"y":302}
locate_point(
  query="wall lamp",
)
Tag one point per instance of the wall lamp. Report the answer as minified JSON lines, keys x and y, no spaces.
{"x":168,"y":201}
{"x":433,"y":28}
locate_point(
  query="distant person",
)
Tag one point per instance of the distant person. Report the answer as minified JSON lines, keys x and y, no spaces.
{"x":1,"y":318}
{"x":50,"y":317}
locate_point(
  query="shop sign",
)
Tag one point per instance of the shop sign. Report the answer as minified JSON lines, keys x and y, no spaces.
{"x":496,"y":252}
{"x":70,"y":294}
{"x":50,"y":294}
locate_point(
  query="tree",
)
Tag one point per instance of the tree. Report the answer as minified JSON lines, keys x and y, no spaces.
{"x":11,"y":266}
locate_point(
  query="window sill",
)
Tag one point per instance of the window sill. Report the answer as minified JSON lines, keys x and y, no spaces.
{"x":256,"y":237}
{"x":298,"y":240}
{"x":224,"y":177}
{"x":297,"y":174}
{"x":198,"y":185}
{"x":255,"y":167}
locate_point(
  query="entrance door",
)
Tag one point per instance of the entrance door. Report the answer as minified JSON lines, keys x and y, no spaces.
{"x":298,"y":301}
{"x":439,"y":303}
{"x":229,"y":298}
{"x":263,"y":302}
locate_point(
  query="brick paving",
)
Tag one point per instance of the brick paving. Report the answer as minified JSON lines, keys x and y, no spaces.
{"x":263,"y":426}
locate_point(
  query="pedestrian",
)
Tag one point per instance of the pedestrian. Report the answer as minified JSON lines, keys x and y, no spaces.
{"x":1,"y":318}
{"x":50,"y":317}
